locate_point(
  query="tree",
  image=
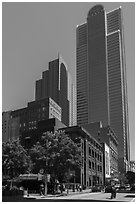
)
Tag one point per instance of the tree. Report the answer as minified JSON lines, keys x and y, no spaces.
{"x":56,"y":154}
{"x":15,"y":160}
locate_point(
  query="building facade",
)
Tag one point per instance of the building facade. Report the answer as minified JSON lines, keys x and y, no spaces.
{"x":101,"y":76}
{"x":107,"y":137}
{"x":32,"y":136}
{"x":10,"y":127}
{"x":56,"y":83}
{"x":6,"y":126}
{"x":106,"y":165}
{"x":118,"y":102}
{"x":132,"y":166}
{"x":36,"y":111}
{"x":91,"y":157}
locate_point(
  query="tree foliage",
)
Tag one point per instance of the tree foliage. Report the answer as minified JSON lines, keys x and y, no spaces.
{"x":56,"y":154}
{"x":15,"y":160}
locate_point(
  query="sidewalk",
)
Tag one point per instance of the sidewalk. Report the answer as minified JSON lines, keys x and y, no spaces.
{"x":37,"y":196}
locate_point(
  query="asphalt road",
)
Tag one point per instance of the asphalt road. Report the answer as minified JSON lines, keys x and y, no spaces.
{"x":80,"y":197}
{"x":126,"y":197}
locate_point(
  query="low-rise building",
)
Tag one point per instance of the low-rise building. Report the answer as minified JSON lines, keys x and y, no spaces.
{"x":106,"y":135}
{"x":91,"y":172}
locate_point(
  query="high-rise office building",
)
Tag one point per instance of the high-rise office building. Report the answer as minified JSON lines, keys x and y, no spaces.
{"x":57,"y":84}
{"x":101,"y":76}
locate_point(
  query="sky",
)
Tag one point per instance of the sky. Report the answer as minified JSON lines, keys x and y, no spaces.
{"x":33,"y":33}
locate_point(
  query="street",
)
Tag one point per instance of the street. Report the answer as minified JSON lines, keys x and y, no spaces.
{"x":97,"y":197}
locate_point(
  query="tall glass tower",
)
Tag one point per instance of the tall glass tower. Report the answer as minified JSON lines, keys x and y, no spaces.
{"x":101,"y":76}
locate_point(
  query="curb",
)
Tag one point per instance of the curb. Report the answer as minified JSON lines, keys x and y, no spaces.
{"x":58,"y":195}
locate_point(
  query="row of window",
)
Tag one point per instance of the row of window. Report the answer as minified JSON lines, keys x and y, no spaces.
{"x":95,"y":167}
{"x":94,"y":143}
{"x":31,"y":128}
{"x":94,"y":154}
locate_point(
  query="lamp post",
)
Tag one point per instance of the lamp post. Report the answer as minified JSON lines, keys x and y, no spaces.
{"x":46,"y":169}
{"x":72,"y":173}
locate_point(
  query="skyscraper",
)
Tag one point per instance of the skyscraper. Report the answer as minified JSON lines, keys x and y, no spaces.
{"x":57,"y":84}
{"x":101,"y":75}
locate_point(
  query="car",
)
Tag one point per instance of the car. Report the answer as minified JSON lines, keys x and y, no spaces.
{"x":132,"y":188}
{"x":117,"y":186}
{"x":122,"y":188}
{"x":127,"y":186}
{"x":108,"y":189}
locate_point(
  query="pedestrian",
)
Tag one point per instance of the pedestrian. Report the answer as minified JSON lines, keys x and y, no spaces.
{"x":77,"y":187}
{"x":80,"y":188}
{"x":61,"y":188}
{"x":42,"y":189}
{"x":113,"y":192}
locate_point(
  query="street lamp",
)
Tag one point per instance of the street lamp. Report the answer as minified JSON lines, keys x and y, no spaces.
{"x":72,"y":173}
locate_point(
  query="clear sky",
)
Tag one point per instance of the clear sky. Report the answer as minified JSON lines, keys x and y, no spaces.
{"x":33,"y":34}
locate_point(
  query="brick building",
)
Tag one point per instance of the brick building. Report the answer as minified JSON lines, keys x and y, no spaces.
{"x":106,"y":135}
{"x":92,"y":156}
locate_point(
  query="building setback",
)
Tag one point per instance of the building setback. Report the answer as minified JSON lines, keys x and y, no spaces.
{"x":101,"y":76}
{"x":57,"y":84}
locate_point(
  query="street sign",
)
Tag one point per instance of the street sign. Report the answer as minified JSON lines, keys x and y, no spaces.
{"x":48,"y":177}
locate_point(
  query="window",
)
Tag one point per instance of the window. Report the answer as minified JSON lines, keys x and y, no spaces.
{"x":100,"y":158}
{"x":93,"y":166}
{"x":89,"y":164}
{"x":95,"y":154}
{"x":43,"y":108}
{"x":82,"y":146}
{"x":92,"y":153}
{"x":89,"y":151}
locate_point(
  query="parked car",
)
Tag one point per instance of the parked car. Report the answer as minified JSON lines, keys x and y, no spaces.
{"x":132,"y":188}
{"x":117,"y":186}
{"x":127,"y":186}
{"x":122,"y":188}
